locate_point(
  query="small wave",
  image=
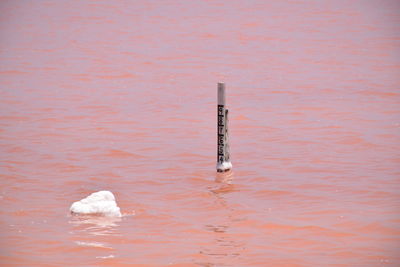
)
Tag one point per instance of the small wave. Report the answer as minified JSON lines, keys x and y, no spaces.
{"x":105,"y":257}
{"x":92,"y":244}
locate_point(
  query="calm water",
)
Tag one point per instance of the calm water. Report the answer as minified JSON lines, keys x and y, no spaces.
{"x":121,"y":96}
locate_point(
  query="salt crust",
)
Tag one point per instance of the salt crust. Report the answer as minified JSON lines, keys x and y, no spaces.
{"x":98,"y":203}
{"x":224,"y":166}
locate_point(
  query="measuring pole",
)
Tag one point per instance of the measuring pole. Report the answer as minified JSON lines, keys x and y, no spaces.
{"x":223,"y":157}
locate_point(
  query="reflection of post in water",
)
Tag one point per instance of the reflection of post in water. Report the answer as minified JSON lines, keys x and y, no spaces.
{"x":227,"y":246}
{"x":225,"y":179}
{"x":223,"y":158}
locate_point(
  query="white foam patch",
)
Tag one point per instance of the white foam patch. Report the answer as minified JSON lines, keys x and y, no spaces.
{"x":99,"y":203}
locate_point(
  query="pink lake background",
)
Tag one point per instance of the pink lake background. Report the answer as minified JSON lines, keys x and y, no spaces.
{"x":121,"y":95}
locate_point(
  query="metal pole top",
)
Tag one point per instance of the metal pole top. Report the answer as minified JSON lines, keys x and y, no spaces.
{"x":221,"y":94}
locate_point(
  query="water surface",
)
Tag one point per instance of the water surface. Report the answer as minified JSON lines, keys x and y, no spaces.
{"x":121,"y":96}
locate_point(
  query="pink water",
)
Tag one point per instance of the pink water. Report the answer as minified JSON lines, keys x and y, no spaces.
{"x":121,"y":95}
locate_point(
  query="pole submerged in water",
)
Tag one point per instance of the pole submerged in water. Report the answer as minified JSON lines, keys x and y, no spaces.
{"x":223,"y":158}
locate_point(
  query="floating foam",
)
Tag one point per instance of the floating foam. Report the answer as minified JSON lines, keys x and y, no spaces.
{"x":99,"y":203}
